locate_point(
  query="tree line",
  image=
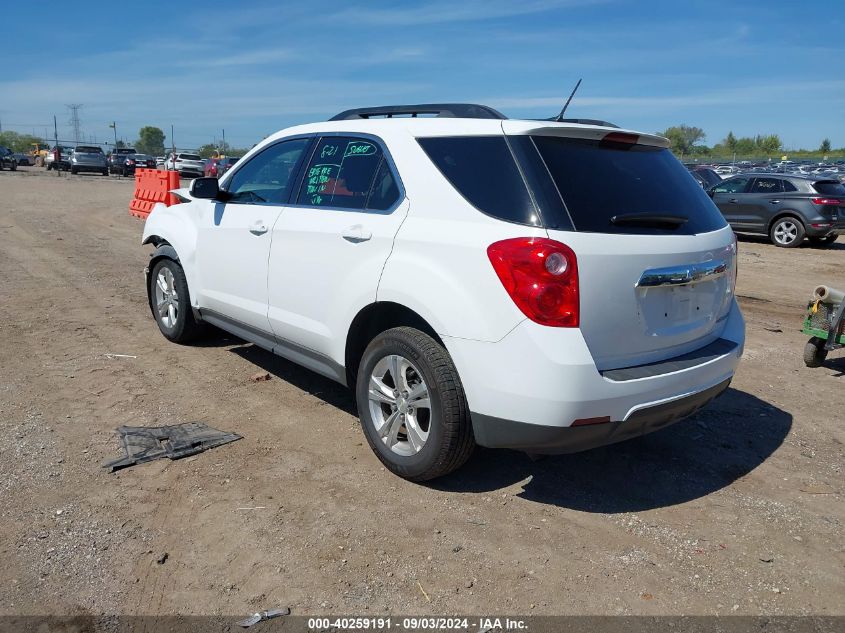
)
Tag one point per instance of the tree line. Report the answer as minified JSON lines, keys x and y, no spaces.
{"x":686,"y":141}
{"x":151,"y":140}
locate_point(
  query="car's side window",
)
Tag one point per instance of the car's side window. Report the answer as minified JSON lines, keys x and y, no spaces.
{"x":267,"y":176}
{"x":767,"y":185}
{"x":788,"y":186}
{"x":732,"y":185}
{"x":348,"y":173}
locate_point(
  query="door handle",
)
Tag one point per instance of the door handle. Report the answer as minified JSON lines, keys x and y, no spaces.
{"x":734,"y":200}
{"x":356,"y":233}
{"x":258,"y":228}
{"x":774,"y":201}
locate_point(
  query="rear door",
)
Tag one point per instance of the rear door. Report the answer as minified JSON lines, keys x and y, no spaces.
{"x":655,"y":258}
{"x":764,"y":198}
{"x":233,"y":242}
{"x":330,"y":244}
{"x":730,"y":198}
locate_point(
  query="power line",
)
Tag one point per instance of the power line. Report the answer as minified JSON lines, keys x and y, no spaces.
{"x":75,"y":122}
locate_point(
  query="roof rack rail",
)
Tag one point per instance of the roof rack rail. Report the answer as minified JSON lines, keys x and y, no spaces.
{"x":449,"y":110}
{"x":582,"y":121}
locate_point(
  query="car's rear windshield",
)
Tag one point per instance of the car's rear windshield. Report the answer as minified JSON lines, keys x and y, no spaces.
{"x":124,"y":150}
{"x":830,"y":188}
{"x":190,"y":156}
{"x":600,"y":180}
{"x":85,"y":149}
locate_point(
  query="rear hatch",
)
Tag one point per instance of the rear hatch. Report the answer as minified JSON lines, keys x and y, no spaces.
{"x":656,"y":260}
{"x":831,"y":201}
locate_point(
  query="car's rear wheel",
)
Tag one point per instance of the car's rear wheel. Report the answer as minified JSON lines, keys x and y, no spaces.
{"x":73,"y":170}
{"x":814,"y":352}
{"x":827,"y":240}
{"x":787,"y":232}
{"x":412,"y":405}
{"x":171,"y":303}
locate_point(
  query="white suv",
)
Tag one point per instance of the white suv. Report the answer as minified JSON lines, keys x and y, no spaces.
{"x":539,"y":285}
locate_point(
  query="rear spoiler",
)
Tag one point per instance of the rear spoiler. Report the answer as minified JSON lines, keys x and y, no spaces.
{"x":585,"y":131}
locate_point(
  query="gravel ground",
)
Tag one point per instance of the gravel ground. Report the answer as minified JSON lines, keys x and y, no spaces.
{"x":737,"y":510}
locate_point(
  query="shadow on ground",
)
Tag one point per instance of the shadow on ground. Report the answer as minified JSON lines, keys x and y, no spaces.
{"x":327,"y":390}
{"x":695,"y":457}
{"x":690,"y":459}
{"x":838,"y":245}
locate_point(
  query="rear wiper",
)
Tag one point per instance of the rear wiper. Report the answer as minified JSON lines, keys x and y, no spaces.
{"x":649,"y":219}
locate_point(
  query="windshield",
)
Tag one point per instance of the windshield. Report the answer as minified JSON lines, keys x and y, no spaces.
{"x":190,"y":157}
{"x":85,"y":149}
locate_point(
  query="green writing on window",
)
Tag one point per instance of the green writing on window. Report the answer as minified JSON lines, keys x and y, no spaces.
{"x":358,"y":148}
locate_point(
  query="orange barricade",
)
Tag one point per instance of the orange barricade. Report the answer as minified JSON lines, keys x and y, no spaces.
{"x":152,"y":186}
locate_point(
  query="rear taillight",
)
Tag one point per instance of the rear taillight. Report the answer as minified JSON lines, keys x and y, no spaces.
{"x":832,"y":201}
{"x":130,"y":162}
{"x":541,"y":277}
{"x":735,"y":265}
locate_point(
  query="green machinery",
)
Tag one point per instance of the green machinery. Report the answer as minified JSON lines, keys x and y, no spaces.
{"x":825,"y":324}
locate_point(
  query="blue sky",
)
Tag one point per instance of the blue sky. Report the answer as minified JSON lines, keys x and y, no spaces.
{"x":256,"y":67}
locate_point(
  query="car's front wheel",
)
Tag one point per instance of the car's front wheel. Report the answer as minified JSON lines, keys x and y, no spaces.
{"x":171,"y":303}
{"x":787,"y":232}
{"x":412,"y":405}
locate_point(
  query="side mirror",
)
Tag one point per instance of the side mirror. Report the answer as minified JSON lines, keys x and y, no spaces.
{"x":205,"y":188}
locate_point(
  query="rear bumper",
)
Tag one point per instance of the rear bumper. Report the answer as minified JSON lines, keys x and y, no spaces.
{"x":495,"y":432}
{"x":526,"y":390}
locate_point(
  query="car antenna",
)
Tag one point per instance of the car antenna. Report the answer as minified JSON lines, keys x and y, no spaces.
{"x":559,"y":117}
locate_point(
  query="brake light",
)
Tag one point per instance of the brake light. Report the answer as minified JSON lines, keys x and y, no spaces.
{"x":129,"y":161}
{"x":541,"y":277}
{"x":833,"y":201}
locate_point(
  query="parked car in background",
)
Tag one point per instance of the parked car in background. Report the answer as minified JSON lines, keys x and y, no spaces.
{"x":117,"y":159}
{"x":787,"y":208}
{"x":160,"y":161}
{"x":186,"y":163}
{"x":705,"y":176}
{"x":88,"y":158}
{"x":7,"y":159}
{"x":538,"y":285}
{"x":726,"y":171}
{"x":216,"y":167}
{"x":131,"y":162}
{"x":24,"y":160}
{"x":64,"y":158}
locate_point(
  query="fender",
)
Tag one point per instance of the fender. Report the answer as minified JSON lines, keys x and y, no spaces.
{"x":175,"y":226}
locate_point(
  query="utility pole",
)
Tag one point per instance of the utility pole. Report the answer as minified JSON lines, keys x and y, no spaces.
{"x":173,"y":145}
{"x":223,"y":144}
{"x":114,"y":127}
{"x":56,"y":136}
{"x":75,"y":123}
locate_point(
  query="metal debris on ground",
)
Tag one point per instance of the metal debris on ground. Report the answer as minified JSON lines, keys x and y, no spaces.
{"x":146,"y":443}
{"x":263,"y":615}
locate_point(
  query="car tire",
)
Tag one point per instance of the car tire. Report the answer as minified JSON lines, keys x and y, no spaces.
{"x":787,"y":232}
{"x":827,"y":240}
{"x":171,"y":303}
{"x":105,"y":172}
{"x":13,"y":166}
{"x":419,"y":442}
{"x":73,"y":170}
{"x":814,"y":352}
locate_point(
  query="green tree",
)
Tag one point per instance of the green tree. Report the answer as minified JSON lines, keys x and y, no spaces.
{"x":769,"y":145}
{"x":18,"y":142}
{"x":120,"y":145}
{"x":745,"y":146}
{"x":730,"y":142}
{"x":683,"y":137}
{"x":150,"y":141}
{"x":824,"y":148}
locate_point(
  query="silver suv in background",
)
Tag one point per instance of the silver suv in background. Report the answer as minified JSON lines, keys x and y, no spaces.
{"x":88,"y":158}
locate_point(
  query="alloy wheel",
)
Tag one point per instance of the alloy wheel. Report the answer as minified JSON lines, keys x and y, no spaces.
{"x":400,"y":406}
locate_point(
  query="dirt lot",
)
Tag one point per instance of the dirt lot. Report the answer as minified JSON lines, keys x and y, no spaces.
{"x":738,"y":510}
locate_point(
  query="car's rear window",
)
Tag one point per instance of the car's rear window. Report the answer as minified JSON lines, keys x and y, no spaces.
{"x":190,"y":156}
{"x":830,"y":188}
{"x":482,"y":170}
{"x":84,"y":149}
{"x":598,"y":181}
